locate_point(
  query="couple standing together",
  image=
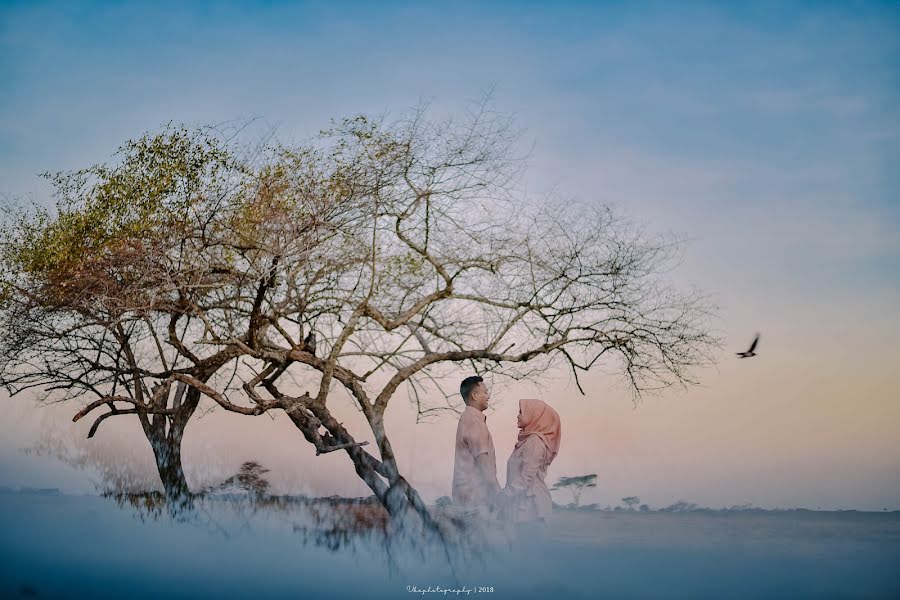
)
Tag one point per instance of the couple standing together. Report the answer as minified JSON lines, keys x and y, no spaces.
{"x":525,"y":501}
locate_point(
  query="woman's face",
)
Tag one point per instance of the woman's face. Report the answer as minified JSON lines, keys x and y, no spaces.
{"x":519,"y":419}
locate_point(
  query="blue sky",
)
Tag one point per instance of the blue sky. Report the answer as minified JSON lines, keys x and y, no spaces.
{"x":798,"y":101}
{"x":768,"y":133}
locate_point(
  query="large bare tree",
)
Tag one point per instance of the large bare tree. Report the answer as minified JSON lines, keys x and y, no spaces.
{"x":385,"y":255}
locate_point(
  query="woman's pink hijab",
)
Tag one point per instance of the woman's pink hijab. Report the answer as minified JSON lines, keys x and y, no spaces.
{"x":539,"y":418}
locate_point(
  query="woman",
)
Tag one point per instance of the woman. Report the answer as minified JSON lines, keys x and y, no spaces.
{"x":525,"y":501}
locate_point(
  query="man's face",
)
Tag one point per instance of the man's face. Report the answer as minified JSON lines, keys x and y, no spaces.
{"x":480,"y":396}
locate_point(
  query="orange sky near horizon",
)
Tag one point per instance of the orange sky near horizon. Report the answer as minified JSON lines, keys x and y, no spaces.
{"x":805,"y":424}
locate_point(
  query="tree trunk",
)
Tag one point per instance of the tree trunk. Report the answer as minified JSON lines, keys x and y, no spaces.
{"x":165,"y":435}
{"x":167,"y":452}
{"x":411,"y":523}
{"x":402,"y":501}
{"x":405,"y":507}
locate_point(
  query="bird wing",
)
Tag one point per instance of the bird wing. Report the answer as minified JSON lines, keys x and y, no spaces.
{"x":753,"y":345}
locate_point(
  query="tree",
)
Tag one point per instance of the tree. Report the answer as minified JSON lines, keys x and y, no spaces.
{"x":389,"y":255}
{"x":107,"y":297}
{"x":680,"y":506}
{"x":449,"y":269}
{"x":631,"y":501}
{"x":250,"y":478}
{"x":576,"y":485}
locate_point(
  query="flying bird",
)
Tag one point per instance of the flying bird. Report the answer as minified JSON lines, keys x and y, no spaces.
{"x":750,"y":351}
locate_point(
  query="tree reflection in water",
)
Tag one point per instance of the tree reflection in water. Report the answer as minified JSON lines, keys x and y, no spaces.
{"x":357,"y":526}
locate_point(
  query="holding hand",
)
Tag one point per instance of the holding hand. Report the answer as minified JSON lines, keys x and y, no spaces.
{"x":501,"y":500}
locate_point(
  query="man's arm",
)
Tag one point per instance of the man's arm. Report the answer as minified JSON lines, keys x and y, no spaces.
{"x":481,"y":446}
{"x":488,"y":471}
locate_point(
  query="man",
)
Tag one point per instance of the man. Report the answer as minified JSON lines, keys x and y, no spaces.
{"x":475,"y":466}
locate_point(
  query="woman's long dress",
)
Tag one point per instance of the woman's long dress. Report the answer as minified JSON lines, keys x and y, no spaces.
{"x":528,"y":498}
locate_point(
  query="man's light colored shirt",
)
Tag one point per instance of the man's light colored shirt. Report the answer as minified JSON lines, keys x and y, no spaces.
{"x":472,"y":440}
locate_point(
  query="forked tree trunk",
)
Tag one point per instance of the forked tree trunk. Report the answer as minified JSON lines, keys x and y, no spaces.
{"x":165,"y":436}
{"x":167,"y":451}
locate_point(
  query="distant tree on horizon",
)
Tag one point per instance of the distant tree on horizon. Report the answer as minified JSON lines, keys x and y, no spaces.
{"x":631,"y":501}
{"x":576,"y":485}
{"x":250,"y":478}
{"x":681,"y":506}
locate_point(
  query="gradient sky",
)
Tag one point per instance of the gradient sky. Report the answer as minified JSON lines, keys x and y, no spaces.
{"x":768,"y":134}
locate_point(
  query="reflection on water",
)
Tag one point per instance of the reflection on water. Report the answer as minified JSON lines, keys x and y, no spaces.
{"x":351,"y":526}
{"x":146,"y":504}
{"x":338,"y":524}
{"x":229,"y":544}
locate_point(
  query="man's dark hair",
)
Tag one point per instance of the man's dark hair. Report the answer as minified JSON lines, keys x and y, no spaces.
{"x":468,"y":386}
